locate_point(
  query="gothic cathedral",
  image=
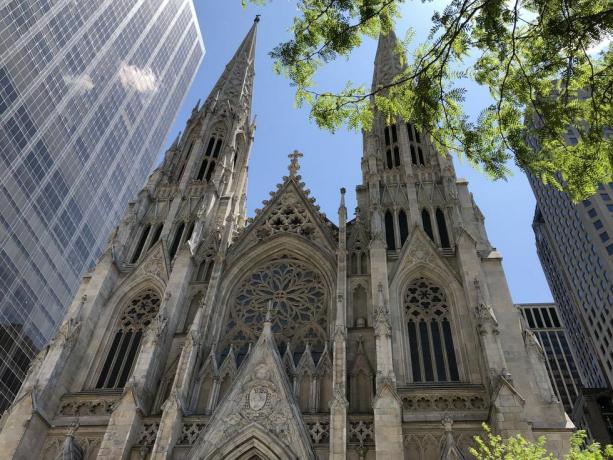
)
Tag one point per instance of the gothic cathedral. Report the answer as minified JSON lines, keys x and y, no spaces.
{"x":204,"y":335}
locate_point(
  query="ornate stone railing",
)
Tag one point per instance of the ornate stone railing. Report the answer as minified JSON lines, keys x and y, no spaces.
{"x":146,"y":438}
{"x":465,"y":401}
{"x":318,"y":427}
{"x":88,"y":404}
{"x":360,"y":430}
{"x":191,"y":429}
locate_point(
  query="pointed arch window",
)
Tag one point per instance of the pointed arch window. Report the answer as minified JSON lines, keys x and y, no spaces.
{"x":184,"y":164}
{"x":354,"y":263}
{"x":120,"y":359}
{"x":420,"y":155}
{"x":205,"y":270}
{"x":403,"y":226}
{"x":442,"y":228}
{"x":213,"y":148}
{"x":410,"y":132}
{"x":427,"y":223}
{"x":156,"y":234}
{"x":392,"y":151}
{"x":141,"y":243}
{"x":390,"y":237}
{"x":413,"y":155}
{"x":431,"y":349}
{"x":176,"y":240}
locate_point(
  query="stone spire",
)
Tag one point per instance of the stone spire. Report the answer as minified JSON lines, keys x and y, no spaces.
{"x":388,"y":63}
{"x":236,"y":82}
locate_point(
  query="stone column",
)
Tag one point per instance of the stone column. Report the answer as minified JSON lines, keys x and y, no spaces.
{"x":339,"y":403}
{"x":173,"y":410}
{"x":387,"y":405}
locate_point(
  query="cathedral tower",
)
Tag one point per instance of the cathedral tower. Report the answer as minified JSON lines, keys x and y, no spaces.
{"x":203,"y":335}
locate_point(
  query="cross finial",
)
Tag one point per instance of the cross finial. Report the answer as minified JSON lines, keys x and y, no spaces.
{"x":294,"y":166}
{"x":257,"y":18}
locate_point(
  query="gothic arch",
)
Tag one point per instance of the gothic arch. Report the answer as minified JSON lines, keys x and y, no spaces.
{"x":251,"y":441}
{"x":118,"y":352}
{"x":460,"y":316}
{"x":103,"y":335}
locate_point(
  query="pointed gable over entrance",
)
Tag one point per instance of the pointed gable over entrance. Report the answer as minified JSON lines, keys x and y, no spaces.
{"x":290,"y":210}
{"x":259,"y":416}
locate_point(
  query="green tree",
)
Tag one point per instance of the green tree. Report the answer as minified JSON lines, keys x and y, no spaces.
{"x":493,"y":447}
{"x":533,"y":56}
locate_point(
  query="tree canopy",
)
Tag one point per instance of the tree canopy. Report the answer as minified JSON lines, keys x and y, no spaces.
{"x":535,"y":56}
{"x":494,"y":447}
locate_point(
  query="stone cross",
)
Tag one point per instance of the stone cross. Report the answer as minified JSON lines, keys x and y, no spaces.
{"x":294,"y":166}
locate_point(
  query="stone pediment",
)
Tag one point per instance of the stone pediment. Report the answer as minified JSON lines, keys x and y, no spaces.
{"x":259,"y":409}
{"x":289,"y":211}
{"x":420,"y":249}
{"x":155,"y":263}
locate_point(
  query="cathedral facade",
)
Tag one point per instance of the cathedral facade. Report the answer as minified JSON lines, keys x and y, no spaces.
{"x":202,"y":334}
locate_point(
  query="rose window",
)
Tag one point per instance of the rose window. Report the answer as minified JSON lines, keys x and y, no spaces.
{"x":299,"y":307}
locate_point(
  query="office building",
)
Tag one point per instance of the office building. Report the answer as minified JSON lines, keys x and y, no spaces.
{"x":88,"y":93}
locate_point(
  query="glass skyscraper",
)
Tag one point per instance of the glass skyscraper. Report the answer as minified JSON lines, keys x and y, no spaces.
{"x":88,"y":92}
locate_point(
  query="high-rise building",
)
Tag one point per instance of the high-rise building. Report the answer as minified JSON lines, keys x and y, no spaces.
{"x":88,"y":92}
{"x":544,"y":321}
{"x":575,"y":245}
{"x":202,"y":334}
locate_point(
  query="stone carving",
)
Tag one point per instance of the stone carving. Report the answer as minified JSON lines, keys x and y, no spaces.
{"x":67,"y":334}
{"x":361,"y":432}
{"x":190,"y":432}
{"x":81,"y":408}
{"x":299,"y":302}
{"x":383,"y":326}
{"x":420,"y":253}
{"x":290,"y":214}
{"x":141,"y":311}
{"x":154,"y":265}
{"x":442,"y":403}
{"x":319,"y":431}
{"x":148,"y":434}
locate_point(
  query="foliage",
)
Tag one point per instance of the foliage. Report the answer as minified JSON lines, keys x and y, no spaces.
{"x":533,"y":56}
{"x":518,"y":448}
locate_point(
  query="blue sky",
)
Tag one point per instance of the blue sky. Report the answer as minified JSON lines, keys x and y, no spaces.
{"x":332,"y":161}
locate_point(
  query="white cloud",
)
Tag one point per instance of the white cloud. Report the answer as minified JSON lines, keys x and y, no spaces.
{"x":600,"y":46}
{"x":142,"y":80}
{"x":82,"y":83}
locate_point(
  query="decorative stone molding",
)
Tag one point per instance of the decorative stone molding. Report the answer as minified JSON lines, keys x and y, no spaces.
{"x":434,"y":399}
{"x":318,"y":428}
{"x":190,"y":432}
{"x":148,"y":434}
{"x":91,"y":406}
{"x":361,"y":431}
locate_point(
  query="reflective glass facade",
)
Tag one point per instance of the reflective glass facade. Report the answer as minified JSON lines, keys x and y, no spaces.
{"x":544,"y":321}
{"x":575,"y":245}
{"x":88,"y":92}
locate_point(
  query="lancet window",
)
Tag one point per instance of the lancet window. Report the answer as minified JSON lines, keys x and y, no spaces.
{"x":299,"y":308}
{"x":156,"y":234}
{"x":176,"y":241}
{"x":141,"y":243}
{"x":189,"y":152}
{"x":403,"y":226}
{"x":417,"y":154}
{"x":211,"y":155}
{"x":392,"y":151}
{"x":442,"y":228}
{"x":431,"y":349}
{"x":427,"y":223}
{"x":390,"y":237}
{"x":359,"y":262}
{"x":120,"y":358}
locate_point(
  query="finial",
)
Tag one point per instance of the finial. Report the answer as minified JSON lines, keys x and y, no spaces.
{"x":269,"y":312}
{"x":343,"y":196}
{"x":294,"y":166}
{"x":257,"y":18}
